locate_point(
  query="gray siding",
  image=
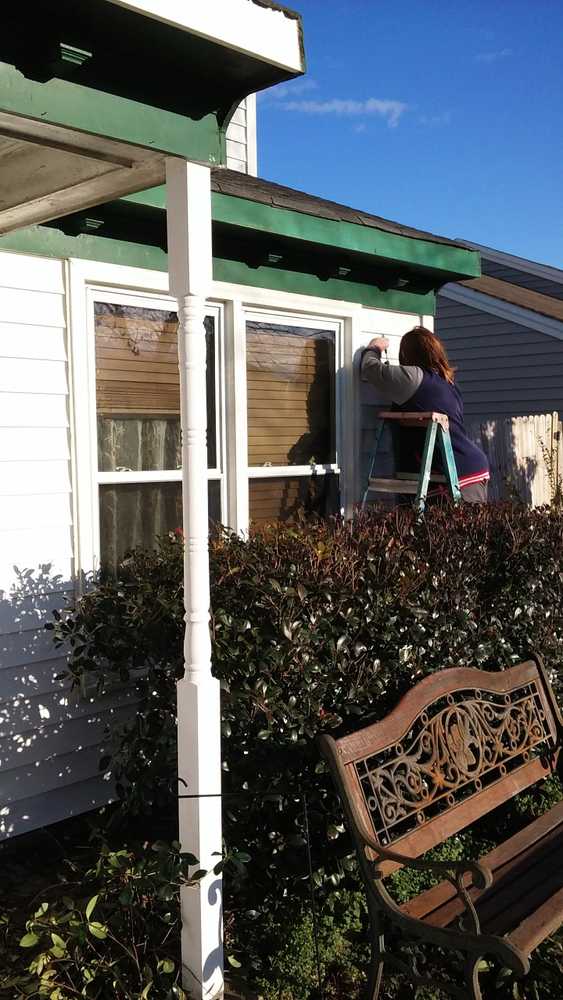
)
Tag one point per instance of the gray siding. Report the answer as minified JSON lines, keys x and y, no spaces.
{"x":523,"y":278}
{"x":504,"y":369}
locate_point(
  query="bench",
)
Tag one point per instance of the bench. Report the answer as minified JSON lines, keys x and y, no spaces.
{"x":460,"y":743}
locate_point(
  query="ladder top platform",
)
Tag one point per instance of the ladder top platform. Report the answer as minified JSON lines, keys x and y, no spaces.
{"x":415,"y":419}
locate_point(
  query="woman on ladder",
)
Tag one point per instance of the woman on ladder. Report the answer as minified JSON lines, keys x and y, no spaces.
{"x":424,"y":381}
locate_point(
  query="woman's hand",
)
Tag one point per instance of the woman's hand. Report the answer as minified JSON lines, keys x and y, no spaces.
{"x":378,"y":344}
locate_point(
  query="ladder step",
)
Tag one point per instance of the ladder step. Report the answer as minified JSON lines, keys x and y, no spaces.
{"x":402,"y":484}
{"x":434,"y":478}
{"x":394,"y":486}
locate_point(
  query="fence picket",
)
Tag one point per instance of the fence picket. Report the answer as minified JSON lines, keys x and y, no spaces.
{"x":514,"y":448}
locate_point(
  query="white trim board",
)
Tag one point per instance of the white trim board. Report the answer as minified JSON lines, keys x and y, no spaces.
{"x":505,"y":310}
{"x":518,"y":263}
{"x":266,"y":33}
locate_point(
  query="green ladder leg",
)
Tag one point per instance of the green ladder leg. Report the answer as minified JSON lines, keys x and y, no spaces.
{"x":425,"y":467}
{"x":378,"y":433}
{"x":448,"y":462}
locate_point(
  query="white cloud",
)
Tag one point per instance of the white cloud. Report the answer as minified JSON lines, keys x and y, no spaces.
{"x":492,"y":57}
{"x":303,"y":85}
{"x":391,"y":111}
{"x":434,"y":121}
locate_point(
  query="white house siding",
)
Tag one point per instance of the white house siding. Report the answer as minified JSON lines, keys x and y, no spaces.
{"x":378,"y":322}
{"x":504,"y":369}
{"x":241,"y":138}
{"x":49,"y":739}
{"x":526,"y":279}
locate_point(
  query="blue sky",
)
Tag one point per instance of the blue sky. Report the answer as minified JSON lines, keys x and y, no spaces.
{"x":445,"y":115}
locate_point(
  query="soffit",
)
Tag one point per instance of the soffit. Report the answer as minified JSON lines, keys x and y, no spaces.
{"x":133,"y":51}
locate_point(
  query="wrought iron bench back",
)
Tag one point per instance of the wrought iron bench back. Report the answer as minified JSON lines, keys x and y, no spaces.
{"x":457,"y":745}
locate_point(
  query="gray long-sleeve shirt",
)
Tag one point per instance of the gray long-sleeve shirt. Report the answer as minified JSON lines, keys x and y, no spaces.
{"x":394,"y":383}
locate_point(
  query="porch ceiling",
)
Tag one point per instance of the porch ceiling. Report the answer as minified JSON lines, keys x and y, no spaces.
{"x":47,"y":171}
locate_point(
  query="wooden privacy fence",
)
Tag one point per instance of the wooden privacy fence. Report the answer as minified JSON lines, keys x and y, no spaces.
{"x":525,"y":455}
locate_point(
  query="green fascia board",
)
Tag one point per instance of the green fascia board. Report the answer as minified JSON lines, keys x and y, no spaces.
{"x":440,"y":257}
{"x":63,"y":103}
{"x":282,"y":280}
{"x":367,"y":240}
{"x":52,"y":243}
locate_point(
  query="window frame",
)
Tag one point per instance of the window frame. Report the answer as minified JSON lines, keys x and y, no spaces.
{"x":141,"y":298}
{"x":328,"y":325}
{"x":235,"y":303}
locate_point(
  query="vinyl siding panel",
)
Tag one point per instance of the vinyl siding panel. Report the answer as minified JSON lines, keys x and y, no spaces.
{"x":503,"y":368}
{"x":241,"y":138}
{"x":50,"y":738}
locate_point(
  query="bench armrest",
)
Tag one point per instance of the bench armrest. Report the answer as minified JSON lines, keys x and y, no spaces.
{"x":481,"y":874}
{"x":451,"y":871}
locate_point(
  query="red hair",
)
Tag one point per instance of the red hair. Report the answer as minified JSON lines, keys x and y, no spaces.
{"x":423,"y":348}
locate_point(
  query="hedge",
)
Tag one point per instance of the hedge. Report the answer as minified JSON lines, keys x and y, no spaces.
{"x":315,"y":626}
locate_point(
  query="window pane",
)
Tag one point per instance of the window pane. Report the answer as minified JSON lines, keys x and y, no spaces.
{"x":284,"y":498}
{"x":138,"y":389}
{"x":133,"y":516}
{"x":290,"y":386}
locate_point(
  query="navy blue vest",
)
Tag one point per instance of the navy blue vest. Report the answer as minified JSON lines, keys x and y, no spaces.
{"x":435,"y":393}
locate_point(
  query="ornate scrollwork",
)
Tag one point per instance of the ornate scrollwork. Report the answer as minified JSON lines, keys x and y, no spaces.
{"x":454,"y":749}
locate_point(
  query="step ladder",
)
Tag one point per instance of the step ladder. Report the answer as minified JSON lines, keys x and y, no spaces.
{"x":437,"y":427}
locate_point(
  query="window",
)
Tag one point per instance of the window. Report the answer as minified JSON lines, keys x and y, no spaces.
{"x":291,"y":403}
{"x":138,"y":424}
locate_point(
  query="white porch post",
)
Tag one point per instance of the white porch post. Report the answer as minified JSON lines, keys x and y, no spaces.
{"x":199,"y":724}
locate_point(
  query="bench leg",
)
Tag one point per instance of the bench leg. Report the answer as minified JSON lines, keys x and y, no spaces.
{"x":376,"y":970}
{"x":472,"y":977}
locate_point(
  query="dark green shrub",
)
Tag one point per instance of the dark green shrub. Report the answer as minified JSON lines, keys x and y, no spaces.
{"x":314,"y":626}
{"x":108,"y":927}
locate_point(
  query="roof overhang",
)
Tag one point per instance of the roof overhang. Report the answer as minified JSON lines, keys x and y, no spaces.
{"x":268,"y":236}
{"x":94,"y":95}
{"x":185,"y":58}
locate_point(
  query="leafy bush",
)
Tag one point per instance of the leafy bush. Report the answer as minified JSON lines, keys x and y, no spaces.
{"x":314,"y":627}
{"x":107,"y":929}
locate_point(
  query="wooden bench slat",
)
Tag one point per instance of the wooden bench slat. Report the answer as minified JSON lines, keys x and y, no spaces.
{"x":539,"y":925}
{"x":528,"y":883}
{"x":519,"y":846}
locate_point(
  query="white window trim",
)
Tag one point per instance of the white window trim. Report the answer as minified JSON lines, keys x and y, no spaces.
{"x":237,"y":303}
{"x":85,"y":288}
{"x":344,"y":416}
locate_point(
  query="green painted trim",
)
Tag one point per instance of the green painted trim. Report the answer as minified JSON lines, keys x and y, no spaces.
{"x":308,"y":284}
{"x":348,"y":236}
{"x":53,"y":243}
{"x":153,"y":197}
{"x":345,"y":236}
{"x":63,"y":103}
